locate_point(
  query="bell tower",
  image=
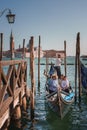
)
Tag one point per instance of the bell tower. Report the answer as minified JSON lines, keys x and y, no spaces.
{"x":12,"y":49}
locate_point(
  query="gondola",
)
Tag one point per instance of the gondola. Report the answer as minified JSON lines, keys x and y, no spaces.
{"x":84,"y":78}
{"x":59,"y":102}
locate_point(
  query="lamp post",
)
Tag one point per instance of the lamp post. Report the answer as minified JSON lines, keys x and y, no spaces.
{"x":10,"y":16}
{"x":11,"y":19}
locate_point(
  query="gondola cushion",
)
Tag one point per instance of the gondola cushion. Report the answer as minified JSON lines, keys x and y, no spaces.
{"x":69,"y":97}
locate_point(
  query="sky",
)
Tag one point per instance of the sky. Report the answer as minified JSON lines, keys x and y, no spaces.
{"x":54,"y":20}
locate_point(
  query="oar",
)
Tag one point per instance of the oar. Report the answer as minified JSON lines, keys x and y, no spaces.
{"x":48,"y":96}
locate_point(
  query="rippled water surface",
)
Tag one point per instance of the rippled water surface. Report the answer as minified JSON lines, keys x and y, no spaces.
{"x":45,"y":119}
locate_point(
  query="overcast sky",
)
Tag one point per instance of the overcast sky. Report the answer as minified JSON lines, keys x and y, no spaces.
{"x":54,"y":20}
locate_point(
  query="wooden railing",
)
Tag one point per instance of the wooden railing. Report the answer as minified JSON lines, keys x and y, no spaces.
{"x":13,"y":76}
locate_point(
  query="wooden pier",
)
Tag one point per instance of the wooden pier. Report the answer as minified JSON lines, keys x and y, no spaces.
{"x":13,"y":87}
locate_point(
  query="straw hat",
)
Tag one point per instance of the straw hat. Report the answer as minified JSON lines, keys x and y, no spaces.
{"x":54,"y":75}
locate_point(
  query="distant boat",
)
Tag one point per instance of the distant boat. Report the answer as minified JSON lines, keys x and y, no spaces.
{"x":18,"y":55}
{"x":84,"y":58}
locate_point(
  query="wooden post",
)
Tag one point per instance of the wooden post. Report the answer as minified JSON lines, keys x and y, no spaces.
{"x":65,"y":56}
{"x":0,"y":82}
{"x":77,"y":68}
{"x":46,"y":62}
{"x":32,"y":76}
{"x":39,"y":63}
{"x":1,"y":45}
{"x":24,"y":103}
{"x":76,"y":74}
{"x":78,"y":58}
{"x":17,"y":112}
{"x":29,"y":57}
{"x":23,"y":48}
{"x":12,"y":85}
{"x":12,"y":49}
{"x":20,"y":99}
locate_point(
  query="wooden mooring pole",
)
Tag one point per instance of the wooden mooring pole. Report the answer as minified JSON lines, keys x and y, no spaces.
{"x":0,"y":81}
{"x":79,"y":73}
{"x":32,"y":76}
{"x":1,"y":45}
{"x":23,"y":49}
{"x":76,"y":74}
{"x":77,"y":68}
{"x":65,"y":56}
{"x":39,"y":63}
{"x":47,"y":61}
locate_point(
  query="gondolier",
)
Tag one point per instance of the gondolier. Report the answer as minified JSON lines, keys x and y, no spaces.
{"x":58,"y":65}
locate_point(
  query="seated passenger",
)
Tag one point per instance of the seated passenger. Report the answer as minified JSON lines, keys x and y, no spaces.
{"x":65,"y":84}
{"x":53,"y":83}
{"x":61,"y":78}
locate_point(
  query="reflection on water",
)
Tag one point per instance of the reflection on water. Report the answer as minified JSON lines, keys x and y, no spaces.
{"x":45,"y":119}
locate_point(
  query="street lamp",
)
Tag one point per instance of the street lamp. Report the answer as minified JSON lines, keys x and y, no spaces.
{"x":11,"y":19}
{"x":10,"y":16}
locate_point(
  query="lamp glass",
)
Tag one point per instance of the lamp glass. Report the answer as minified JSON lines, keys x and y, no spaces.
{"x":11,"y":18}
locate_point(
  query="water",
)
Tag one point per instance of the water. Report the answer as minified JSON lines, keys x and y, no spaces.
{"x":45,"y":119}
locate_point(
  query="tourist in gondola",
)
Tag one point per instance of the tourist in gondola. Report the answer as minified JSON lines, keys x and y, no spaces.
{"x":53,"y":84}
{"x":61,"y":78}
{"x":65,"y":84}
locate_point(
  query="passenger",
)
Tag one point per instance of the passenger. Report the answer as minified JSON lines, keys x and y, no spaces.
{"x":53,"y":83}
{"x":65,"y":84}
{"x":61,"y":78}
